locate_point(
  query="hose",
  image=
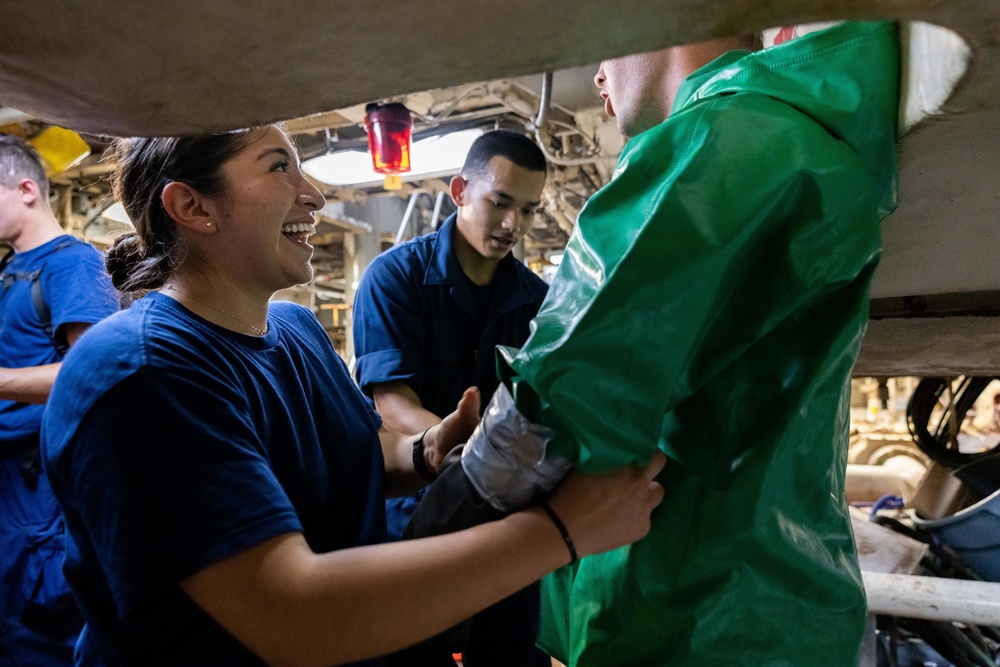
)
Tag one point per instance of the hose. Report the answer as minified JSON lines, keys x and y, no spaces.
{"x":936,"y":444}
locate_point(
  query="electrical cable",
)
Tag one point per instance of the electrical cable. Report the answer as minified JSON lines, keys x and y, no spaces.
{"x":919,"y":413}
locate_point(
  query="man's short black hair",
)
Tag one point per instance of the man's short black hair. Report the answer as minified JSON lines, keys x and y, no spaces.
{"x":19,"y":160}
{"x":513,"y":146}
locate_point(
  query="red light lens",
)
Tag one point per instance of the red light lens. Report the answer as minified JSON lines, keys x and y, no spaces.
{"x":389,"y":129}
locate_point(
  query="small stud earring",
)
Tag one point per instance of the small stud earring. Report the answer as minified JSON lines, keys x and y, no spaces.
{"x":208,"y":224}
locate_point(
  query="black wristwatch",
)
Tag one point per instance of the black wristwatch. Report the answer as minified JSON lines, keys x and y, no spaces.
{"x":419,"y":464}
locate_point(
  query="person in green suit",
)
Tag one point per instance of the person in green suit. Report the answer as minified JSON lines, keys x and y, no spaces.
{"x":710,"y":305}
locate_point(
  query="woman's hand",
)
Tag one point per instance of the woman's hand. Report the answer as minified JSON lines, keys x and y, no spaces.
{"x":453,"y":430}
{"x":603,"y":512}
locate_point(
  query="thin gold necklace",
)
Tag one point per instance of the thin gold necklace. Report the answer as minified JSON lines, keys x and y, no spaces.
{"x":257,"y":330}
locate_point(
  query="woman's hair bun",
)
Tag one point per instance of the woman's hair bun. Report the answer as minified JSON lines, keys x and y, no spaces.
{"x":129,"y":264}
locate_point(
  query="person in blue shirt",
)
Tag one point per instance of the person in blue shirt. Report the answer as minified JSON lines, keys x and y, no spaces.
{"x":64,"y":278}
{"x":428,"y":315}
{"x":429,"y":312}
{"x":223,"y":479}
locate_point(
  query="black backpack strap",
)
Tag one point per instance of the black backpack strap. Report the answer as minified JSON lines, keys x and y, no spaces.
{"x":5,"y":277}
{"x":44,"y":314}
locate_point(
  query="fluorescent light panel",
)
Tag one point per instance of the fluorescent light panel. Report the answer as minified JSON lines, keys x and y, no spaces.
{"x":441,"y":155}
{"x":117,"y":213}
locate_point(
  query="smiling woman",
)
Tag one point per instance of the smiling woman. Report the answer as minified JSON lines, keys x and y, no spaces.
{"x":238,"y":199}
{"x":222,"y":478}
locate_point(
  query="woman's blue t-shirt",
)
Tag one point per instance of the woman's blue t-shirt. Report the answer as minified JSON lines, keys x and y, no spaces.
{"x":173,"y":443}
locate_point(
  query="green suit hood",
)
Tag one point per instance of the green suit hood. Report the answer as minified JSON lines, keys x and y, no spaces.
{"x":816,"y":74}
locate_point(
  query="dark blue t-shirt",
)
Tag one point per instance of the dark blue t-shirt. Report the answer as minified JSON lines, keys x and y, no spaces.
{"x":173,"y":443}
{"x":418,"y":320}
{"x":76,"y":289}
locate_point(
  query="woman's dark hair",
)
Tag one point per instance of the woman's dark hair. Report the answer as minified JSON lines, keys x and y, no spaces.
{"x":144,"y":259}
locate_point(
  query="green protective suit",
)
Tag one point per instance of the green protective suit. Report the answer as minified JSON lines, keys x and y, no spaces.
{"x":711,"y":303}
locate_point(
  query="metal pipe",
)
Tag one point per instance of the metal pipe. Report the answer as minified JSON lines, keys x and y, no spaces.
{"x":438,"y":202}
{"x":410,"y":207}
{"x":545,"y":102}
{"x":544,"y":110}
{"x":869,"y":483}
{"x":933,"y":598}
{"x":567,"y":162}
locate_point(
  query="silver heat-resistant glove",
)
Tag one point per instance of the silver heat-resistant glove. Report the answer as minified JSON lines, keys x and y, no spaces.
{"x":505,"y":457}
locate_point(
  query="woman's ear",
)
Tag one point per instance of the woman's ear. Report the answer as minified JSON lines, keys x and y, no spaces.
{"x":188,"y":208}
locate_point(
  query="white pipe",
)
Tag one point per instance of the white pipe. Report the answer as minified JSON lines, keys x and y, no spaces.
{"x":410,"y":206}
{"x":869,"y":483}
{"x":436,"y":215}
{"x":933,"y":598}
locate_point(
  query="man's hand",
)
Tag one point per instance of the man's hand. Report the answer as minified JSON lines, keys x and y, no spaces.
{"x":441,"y":438}
{"x":453,"y":430}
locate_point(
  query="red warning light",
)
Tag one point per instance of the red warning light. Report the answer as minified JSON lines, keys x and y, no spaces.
{"x":389,"y":127}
